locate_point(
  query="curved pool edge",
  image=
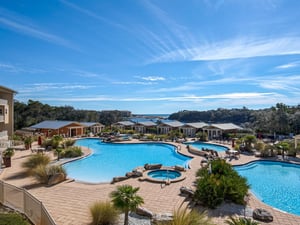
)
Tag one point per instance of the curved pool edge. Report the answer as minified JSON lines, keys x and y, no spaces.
{"x":255,"y":195}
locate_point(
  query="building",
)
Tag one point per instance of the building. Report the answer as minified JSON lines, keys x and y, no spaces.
{"x":191,"y":129}
{"x":92,"y":127}
{"x":216,"y":130}
{"x":166,"y":126}
{"x":123,"y":125}
{"x":6,"y":115}
{"x":56,"y":127}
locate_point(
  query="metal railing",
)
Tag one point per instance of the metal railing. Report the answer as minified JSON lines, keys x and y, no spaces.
{"x":21,"y":200}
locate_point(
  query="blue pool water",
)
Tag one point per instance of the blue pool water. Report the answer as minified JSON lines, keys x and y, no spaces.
{"x":111,"y":159}
{"x":164,"y":174}
{"x":275,"y":183}
{"x":200,"y":145}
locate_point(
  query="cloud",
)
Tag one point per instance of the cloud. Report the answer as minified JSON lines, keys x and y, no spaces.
{"x":289,"y":65}
{"x":21,"y":25}
{"x":153,"y":78}
{"x":233,"y":49}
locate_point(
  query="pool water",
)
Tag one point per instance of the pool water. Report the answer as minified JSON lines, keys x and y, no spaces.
{"x":164,"y":174}
{"x":275,"y":183}
{"x":109,"y":160}
{"x":200,"y":145}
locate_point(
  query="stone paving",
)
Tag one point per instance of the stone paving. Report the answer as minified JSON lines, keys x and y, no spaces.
{"x":68,"y":202}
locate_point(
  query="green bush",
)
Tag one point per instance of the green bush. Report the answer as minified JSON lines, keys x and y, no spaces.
{"x":71,"y":152}
{"x":103,"y":213}
{"x":223,"y":183}
{"x":185,"y":217}
{"x":34,"y":161}
{"x":12,"y":219}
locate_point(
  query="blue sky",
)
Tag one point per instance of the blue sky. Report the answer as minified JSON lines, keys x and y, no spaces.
{"x":159,"y":56}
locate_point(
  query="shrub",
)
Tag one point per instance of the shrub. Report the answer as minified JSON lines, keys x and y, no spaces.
{"x":103,"y":213}
{"x":240,"y":221}
{"x":12,"y":219}
{"x":69,"y":142}
{"x":71,"y":152}
{"x":40,"y":174}
{"x":185,"y":217}
{"x":34,"y":161}
{"x":43,"y":173}
{"x":223,"y":183}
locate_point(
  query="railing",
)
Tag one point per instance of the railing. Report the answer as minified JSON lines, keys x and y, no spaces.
{"x":22,"y":201}
{"x":1,"y":118}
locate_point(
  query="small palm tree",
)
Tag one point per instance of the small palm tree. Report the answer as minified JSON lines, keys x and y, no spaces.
{"x":240,"y":221}
{"x":126,"y":199}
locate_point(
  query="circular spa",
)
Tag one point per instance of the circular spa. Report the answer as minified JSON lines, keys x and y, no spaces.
{"x":165,"y":176}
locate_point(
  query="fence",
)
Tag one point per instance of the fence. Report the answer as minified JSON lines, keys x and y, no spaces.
{"x":22,"y":201}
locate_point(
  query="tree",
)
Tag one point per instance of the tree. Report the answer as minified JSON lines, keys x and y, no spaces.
{"x":126,"y":199}
{"x":220,"y":183}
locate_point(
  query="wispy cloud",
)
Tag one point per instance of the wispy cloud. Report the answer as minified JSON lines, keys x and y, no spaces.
{"x":234,"y":49}
{"x":288,"y":83}
{"x":22,"y":26}
{"x":289,"y":65}
{"x":12,"y":68}
{"x":92,"y":14}
{"x":153,"y":78}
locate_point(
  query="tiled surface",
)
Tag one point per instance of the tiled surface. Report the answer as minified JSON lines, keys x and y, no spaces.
{"x":68,"y":202}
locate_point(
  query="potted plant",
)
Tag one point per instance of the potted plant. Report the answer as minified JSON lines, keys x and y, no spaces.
{"x":27,"y":142}
{"x":6,"y":155}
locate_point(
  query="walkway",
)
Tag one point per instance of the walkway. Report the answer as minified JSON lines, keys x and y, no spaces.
{"x":68,"y":202}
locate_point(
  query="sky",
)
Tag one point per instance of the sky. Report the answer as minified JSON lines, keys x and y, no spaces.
{"x":151,"y":56}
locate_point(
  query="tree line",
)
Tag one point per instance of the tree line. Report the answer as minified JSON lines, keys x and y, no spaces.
{"x":33,"y":112}
{"x":278,"y":119}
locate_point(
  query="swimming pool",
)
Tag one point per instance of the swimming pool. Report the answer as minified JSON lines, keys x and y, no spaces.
{"x":199,"y":145}
{"x":275,"y":183}
{"x":109,"y":160}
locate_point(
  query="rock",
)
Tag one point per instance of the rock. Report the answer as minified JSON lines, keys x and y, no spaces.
{"x":157,"y":218}
{"x":187,"y":191}
{"x":262,"y":215}
{"x":118,"y":179}
{"x":144,"y":212}
{"x":152,"y":166}
{"x":179,"y":168}
{"x":56,"y":178}
{"x":129,"y":174}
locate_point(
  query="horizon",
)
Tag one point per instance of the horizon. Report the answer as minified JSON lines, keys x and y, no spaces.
{"x":152,"y":57}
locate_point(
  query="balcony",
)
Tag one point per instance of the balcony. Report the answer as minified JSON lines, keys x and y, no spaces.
{"x":1,"y":118}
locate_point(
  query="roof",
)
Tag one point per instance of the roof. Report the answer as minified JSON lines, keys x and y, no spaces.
{"x":53,"y":124}
{"x":197,"y":125}
{"x":125,"y":123}
{"x":147,"y":123}
{"x":90,"y":124}
{"x":5,"y":89}
{"x":226,"y":126}
{"x":172,"y":123}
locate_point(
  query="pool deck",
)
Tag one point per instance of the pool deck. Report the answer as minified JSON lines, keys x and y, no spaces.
{"x":68,"y":202}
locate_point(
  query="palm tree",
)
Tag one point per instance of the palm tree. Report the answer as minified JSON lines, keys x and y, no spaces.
{"x":126,"y":199}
